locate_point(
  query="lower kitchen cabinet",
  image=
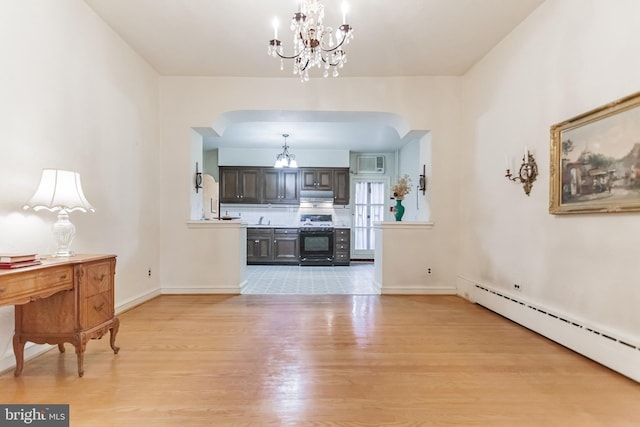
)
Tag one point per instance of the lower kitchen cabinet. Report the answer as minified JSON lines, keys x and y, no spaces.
{"x":285,"y":245}
{"x":342,"y":246}
{"x":272,"y":246}
{"x":259,"y":246}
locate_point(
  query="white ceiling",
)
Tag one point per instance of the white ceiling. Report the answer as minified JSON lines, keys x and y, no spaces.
{"x":229,"y":38}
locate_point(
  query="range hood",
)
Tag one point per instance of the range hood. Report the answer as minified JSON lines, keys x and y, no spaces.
{"x":314,"y":197}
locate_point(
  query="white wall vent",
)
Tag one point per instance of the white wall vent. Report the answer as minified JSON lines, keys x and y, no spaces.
{"x":370,"y":164}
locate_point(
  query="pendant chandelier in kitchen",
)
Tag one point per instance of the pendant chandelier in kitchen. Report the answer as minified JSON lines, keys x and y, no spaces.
{"x":285,"y":159}
{"x":314,"y":45}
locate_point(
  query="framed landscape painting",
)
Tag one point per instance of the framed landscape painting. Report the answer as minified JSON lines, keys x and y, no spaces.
{"x":595,"y":160}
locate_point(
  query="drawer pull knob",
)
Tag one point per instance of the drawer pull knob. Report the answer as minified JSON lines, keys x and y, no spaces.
{"x":99,"y":307}
{"x":63,"y":277}
{"x":2,"y":291}
{"x":101,"y":277}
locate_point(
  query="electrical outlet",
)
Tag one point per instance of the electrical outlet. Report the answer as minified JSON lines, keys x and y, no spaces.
{"x":517,"y":287}
{"x":149,"y":272}
{"x":428,"y":271}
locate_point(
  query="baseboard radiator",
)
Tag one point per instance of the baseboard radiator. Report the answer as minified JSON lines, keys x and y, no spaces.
{"x":615,"y":352}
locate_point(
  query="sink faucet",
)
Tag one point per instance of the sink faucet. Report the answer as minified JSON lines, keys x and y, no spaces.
{"x":260,"y":221}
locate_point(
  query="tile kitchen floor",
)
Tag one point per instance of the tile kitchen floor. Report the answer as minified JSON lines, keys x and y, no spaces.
{"x":356,"y":279}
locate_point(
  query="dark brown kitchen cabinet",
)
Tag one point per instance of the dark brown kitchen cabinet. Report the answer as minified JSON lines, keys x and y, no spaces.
{"x":316,"y":178}
{"x":329,"y":179}
{"x":280,"y":186}
{"x":285,"y":245}
{"x":239,"y":185}
{"x":259,"y":246}
{"x":272,"y":245}
{"x":342,"y":246}
{"x":341,"y":186}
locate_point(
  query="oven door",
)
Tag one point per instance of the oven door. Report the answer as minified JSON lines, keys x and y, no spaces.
{"x":316,"y":247}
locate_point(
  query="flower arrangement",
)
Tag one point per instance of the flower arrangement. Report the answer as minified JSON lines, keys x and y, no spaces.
{"x":402,"y":187}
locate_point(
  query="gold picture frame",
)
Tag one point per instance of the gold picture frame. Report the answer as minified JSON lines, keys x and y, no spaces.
{"x":595,"y":160}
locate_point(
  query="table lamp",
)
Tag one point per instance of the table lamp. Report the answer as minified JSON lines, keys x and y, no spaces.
{"x":61,"y":191}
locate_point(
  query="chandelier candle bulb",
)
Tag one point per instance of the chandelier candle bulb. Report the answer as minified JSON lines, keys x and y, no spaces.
{"x":345,"y":9}
{"x":276,"y":24}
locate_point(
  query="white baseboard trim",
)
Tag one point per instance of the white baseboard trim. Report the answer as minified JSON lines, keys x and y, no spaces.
{"x":208,"y":290}
{"x":136,"y":301}
{"x":418,"y":290}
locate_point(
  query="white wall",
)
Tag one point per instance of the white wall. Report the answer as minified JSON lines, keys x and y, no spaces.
{"x":568,"y":57}
{"x":267,"y":157}
{"x":429,"y":103}
{"x":74,"y":96}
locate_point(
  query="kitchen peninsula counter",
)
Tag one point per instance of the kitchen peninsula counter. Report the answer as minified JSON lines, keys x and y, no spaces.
{"x":407,"y":259}
{"x":213,"y":262}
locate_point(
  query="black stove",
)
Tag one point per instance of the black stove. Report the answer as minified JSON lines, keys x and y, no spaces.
{"x":311,"y":222}
{"x":316,"y":239}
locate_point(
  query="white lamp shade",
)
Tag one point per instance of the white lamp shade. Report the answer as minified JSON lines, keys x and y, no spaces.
{"x":59,"y":189}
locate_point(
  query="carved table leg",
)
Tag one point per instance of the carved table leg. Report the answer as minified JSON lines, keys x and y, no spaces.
{"x":112,"y":335}
{"x":80,"y":345}
{"x":18,"y":350}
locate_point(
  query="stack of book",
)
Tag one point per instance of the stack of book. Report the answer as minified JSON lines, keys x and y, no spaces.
{"x":18,"y":260}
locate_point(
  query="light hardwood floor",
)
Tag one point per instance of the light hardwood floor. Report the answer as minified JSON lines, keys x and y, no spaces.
{"x":251,"y":360}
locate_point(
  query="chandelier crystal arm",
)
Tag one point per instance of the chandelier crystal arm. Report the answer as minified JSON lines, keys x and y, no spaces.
{"x":278,"y":43}
{"x":345,"y":31}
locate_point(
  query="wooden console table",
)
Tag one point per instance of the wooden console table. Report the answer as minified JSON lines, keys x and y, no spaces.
{"x":62,"y":300}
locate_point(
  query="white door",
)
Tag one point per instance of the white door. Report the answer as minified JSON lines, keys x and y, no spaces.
{"x":369,"y":207}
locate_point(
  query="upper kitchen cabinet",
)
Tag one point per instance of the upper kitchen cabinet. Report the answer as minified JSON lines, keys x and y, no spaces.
{"x":280,"y":186}
{"x":239,"y":185}
{"x":255,"y":185}
{"x":341,"y":186}
{"x":316,"y":178}
{"x":330,"y":179}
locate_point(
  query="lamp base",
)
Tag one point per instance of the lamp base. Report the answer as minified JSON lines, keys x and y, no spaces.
{"x":63,"y":254}
{"x":64,"y":232}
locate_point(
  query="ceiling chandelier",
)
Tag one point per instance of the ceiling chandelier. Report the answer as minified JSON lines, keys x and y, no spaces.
{"x":285,"y":159}
{"x":314,"y":45}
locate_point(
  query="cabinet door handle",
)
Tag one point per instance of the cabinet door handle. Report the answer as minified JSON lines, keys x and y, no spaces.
{"x":100,"y":278}
{"x":99,"y":307}
{"x":62,"y":277}
{"x":2,"y":290}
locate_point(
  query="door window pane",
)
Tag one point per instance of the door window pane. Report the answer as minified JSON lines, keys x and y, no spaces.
{"x":369,"y":208}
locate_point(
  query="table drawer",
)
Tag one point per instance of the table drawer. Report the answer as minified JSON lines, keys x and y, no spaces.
{"x":96,"y":309}
{"x":31,"y":285}
{"x":97,"y":278}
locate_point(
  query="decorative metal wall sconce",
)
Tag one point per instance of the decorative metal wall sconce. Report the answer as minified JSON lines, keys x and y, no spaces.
{"x":198,"y":178}
{"x":422,"y":182}
{"x":527,"y":173}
